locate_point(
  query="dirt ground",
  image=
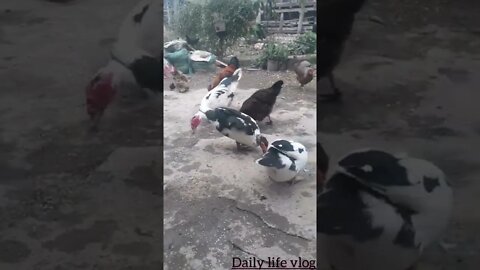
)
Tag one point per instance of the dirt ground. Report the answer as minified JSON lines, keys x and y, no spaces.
{"x":72,"y":201}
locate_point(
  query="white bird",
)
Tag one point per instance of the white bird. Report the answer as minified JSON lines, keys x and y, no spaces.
{"x":220,"y":96}
{"x":236,"y":126}
{"x":380,"y":211}
{"x":136,"y":59}
{"x":284,"y":160}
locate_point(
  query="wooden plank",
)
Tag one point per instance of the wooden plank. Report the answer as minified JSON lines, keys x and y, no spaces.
{"x":295,"y":23}
{"x":289,"y":27}
{"x":288,"y":30}
{"x":281,"y":5}
{"x":295,"y":10}
{"x":312,"y":18}
{"x":301,"y":18}
{"x":294,"y":4}
{"x":286,"y":21}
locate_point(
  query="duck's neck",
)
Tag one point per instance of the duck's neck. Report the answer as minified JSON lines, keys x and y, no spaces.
{"x":202,"y":115}
{"x":121,"y":74}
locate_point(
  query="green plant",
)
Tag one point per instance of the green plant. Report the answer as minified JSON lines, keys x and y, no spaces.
{"x":272,"y":51}
{"x":304,"y":44}
{"x":198,"y":20}
{"x":281,"y":53}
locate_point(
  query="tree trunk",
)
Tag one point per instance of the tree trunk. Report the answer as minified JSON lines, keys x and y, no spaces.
{"x":258,"y":19}
{"x":220,"y":50}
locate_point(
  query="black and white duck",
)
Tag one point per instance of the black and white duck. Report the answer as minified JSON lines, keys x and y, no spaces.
{"x":284,"y":159}
{"x":380,"y":211}
{"x":236,"y":126}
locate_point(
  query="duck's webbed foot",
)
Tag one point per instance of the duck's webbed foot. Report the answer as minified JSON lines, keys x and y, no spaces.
{"x":292,"y":181}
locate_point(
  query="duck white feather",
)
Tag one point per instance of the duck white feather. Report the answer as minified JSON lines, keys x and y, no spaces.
{"x":139,"y":32}
{"x":221,"y":96}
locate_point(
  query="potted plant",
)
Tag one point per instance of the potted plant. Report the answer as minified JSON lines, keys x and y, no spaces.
{"x":275,"y":56}
{"x":271,"y":57}
{"x":282,"y":57}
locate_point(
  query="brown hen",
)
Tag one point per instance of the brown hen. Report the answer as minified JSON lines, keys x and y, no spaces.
{"x":305,"y":72}
{"x":228,"y":71}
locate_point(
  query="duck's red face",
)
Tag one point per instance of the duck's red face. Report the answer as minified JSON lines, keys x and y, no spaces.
{"x":263,"y":143}
{"x":264,"y":147}
{"x":99,"y":93}
{"x":312,"y":72}
{"x":195,"y":122}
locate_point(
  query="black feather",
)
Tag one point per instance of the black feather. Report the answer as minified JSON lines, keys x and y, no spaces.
{"x":148,"y":72}
{"x":342,"y":211}
{"x":322,"y":159}
{"x":271,"y":159}
{"x":139,"y":16}
{"x":260,"y":104}
{"x":385,"y":168}
{"x":334,"y":25}
{"x":283,"y":145}
{"x":234,"y":61}
{"x":232,"y":119}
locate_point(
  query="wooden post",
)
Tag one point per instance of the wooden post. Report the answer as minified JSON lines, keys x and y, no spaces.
{"x":281,"y":23}
{"x":258,"y":20}
{"x":301,"y":17}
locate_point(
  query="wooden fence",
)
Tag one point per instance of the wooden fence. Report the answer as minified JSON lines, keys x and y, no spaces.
{"x":292,"y":8}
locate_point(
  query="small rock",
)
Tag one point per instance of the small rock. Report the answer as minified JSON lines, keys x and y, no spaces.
{"x":258,"y":46}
